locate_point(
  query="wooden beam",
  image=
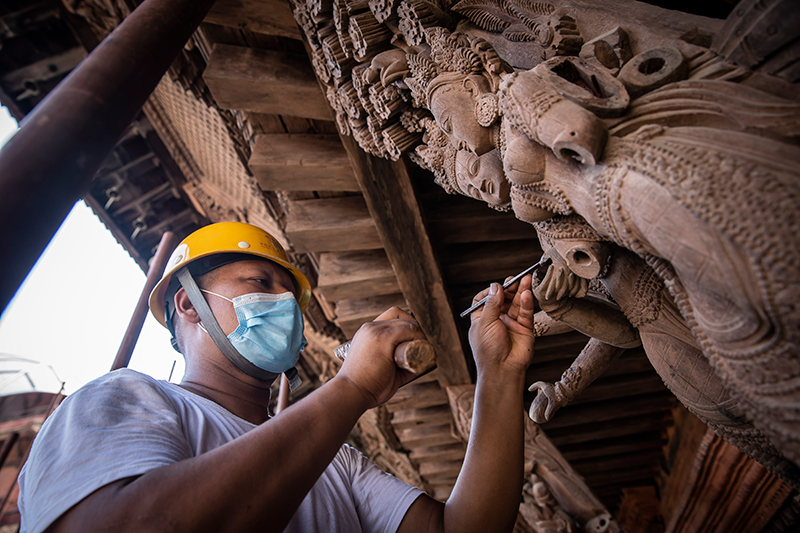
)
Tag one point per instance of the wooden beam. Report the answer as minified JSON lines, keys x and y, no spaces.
{"x":417,"y":396}
{"x":351,"y":314}
{"x":603,"y":430}
{"x":489,"y":262}
{"x":427,"y":416}
{"x":390,"y":196}
{"x":264,"y":81}
{"x":272,"y":17}
{"x":331,"y":225}
{"x":608,"y":411}
{"x":301,"y":162}
{"x":468,"y":220}
{"x":348,"y":275}
{"x":423,"y":437}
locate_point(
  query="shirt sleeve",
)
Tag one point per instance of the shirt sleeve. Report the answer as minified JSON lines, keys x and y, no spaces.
{"x":381,"y":499}
{"x":120,"y":425}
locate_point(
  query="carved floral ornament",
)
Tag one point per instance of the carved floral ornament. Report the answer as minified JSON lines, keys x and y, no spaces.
{"x":671,"y":149}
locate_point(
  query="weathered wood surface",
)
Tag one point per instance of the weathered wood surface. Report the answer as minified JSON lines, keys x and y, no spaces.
{"x":351,"y":314}
{"x":272,"y":17}
{"x":301,"y":162}
{"x":727,"y":491}
{"x":331,"y":225}
{"x":489,"y":262}
{"x":468,"y":221}
{"x":417,"y":396}
{"x":393,"y":205}
{"x":264,"y":81}
{"x":351,"y":275}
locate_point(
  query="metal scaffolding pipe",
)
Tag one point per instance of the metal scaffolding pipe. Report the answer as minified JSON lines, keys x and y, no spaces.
{"x":48,"y":165}
{"x":165,"y":247}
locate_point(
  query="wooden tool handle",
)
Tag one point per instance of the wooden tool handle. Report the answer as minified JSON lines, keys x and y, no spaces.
{"x":417,"y":356}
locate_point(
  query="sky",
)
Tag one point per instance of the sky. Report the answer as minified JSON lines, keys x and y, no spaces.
{"x":74,"y":307}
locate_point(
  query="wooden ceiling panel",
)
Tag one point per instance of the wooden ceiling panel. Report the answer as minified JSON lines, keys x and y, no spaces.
{"x":301,"y":162}
{"x":331,"y":225}
{"x":264,"y":81}
{"x":272,"y":17}
{"x":350,"y":275}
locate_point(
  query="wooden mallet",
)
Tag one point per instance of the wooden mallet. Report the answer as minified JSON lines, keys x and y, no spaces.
{"x":417,"y":356}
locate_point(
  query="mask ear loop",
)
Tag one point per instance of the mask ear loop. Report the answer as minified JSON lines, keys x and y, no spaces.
{"x":215,"y":331}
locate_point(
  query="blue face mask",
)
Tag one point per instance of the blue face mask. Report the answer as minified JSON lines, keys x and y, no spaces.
{"x":270,"y":331}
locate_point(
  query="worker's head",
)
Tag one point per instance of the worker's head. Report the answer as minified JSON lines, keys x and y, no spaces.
{"x":231,"y":279}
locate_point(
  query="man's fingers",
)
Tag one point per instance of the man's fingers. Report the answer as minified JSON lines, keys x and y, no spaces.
{"x":494,"y":305}
{"x":394,"y":313}
{"x":525,"y":315}
{"x":480,"y":296}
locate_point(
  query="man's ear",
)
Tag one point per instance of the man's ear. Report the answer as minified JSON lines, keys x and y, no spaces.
{"x":184,"y":307}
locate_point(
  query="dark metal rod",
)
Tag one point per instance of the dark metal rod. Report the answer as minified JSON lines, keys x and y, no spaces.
{"x":506,"y":285}
{"x":165,"y":247}
{"x":48,"y":165}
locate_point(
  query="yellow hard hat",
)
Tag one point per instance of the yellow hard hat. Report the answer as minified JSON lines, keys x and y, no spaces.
{"x":225,"y":238}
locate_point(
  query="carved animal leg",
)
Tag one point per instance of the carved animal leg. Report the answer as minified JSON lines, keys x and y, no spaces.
{"x":593,"y":360}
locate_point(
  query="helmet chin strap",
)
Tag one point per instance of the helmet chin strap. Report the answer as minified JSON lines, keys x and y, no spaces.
{"x":221,"y":340}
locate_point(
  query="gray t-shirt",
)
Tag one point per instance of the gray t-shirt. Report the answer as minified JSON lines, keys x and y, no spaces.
{"x":124,"y":424}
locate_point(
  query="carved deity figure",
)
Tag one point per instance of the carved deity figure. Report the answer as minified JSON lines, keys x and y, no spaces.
{"x":632,"y":305}
{"x":676,"y":145}
{"x":708,"y":197}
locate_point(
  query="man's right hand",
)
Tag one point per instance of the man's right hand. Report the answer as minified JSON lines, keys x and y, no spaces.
{"x":370,"y":362}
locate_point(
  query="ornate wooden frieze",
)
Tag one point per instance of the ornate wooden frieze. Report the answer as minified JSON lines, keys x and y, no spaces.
{"x":655,"y":155}
{"x":555,"y":499}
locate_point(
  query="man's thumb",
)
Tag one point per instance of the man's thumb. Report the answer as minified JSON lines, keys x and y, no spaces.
{"x":494,"y":304}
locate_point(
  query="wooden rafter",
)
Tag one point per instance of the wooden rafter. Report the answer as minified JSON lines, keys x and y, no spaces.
{"x":394,"y":208}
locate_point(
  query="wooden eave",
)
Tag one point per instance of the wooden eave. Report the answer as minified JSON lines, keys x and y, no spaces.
{"x":369,"y":234}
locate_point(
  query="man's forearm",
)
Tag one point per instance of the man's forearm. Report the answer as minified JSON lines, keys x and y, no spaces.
{"x":255,"y":482}
{"x":487,"y":493}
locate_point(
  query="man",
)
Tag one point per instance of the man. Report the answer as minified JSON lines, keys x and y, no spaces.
{"x":129,"y":453}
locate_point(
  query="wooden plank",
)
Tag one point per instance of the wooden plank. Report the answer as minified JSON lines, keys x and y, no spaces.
{"x":264,"y":81}
{"x":422,"y":437}
{"x":331,"y":225}
{"x":468,"y":220}
{"x":646,"y":458}
{"x":611,"y":410}
{"x":348,"y":275}
{"x":263,"y":123}
{"x":421,"y":397}
{"x":351,"y":314}
{"x":621,"y":387}
{"x":389,"y":193}
{"x":633,"y":443}
{"x":603,"y":430}
{"x":301,"y":162}
{"x":487,"y":262}
{"x":428,"y":416}
{"x":273,"y":17}
{"x":445,"y":452}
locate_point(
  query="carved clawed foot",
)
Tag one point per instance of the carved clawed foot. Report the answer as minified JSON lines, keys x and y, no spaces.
{"x":559,"y":283}
{"x":546,"y":403}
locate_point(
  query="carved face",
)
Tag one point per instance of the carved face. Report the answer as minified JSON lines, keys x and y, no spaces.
{"x":453,"y":108}
{"x":482,"y":177}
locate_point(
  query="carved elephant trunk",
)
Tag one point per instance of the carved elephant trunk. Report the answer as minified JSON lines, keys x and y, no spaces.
{"x":571,"y":131}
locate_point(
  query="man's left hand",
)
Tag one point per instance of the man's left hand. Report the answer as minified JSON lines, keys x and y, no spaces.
{"x":501,"y":334}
